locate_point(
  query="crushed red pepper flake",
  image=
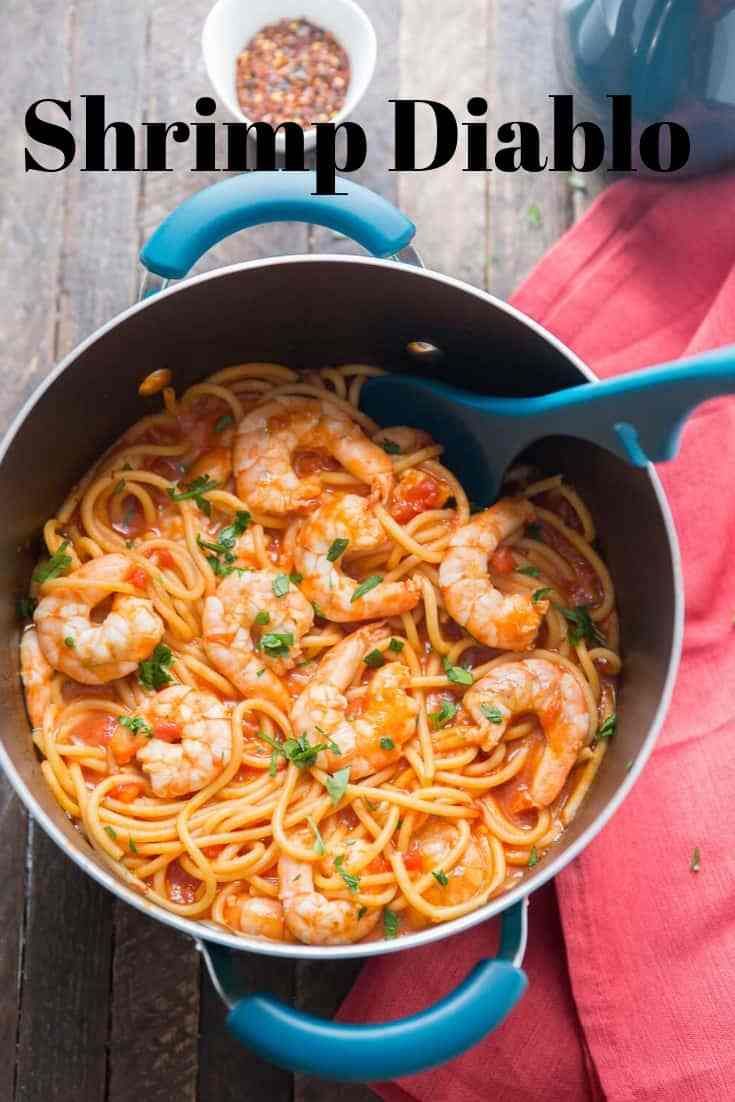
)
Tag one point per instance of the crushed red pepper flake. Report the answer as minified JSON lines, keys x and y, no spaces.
{"x":292,"y":71}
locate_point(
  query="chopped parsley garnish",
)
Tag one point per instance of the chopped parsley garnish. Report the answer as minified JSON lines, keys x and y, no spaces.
{"x":119,"y":487}
{"x":581,"y":627}
{"x":387,"y":744}
{"x":361,"y":912}
{"x":153,"y":672}
{"x":319,"y":841}
{"x":52,"y":567}
{"x":530,"y":571}
{"x":337,"y":784}
{"x":391,"y":447}
{"x":224,"y":422}
{"x":263,"y":617}
{"x":391,"y":922}
{"x":69,"y":642}
{"x":534,"y":531}
{"x":25,"y":607}
{"x":276,"y":644}
{"x":396,"y":645}
{"x":441,"y":877}
{"x":442,"y":716}
{"x":541,"y":594}
{"x":280,"y":585}
{"x":366,"y":586}
{"x":533,"y":857}
{"x":534,"y":215}
{"x":136,"y":724}
{"x":295,"y":578}
{"x":458,"y":674}
{"x":491,"y":713}
{"x":223,"y":558}
{"x":608,"y":727}
{"x":131,"y":844}
{"x":352,"y":882}
{"x":696,"y":860}
{"x":111,"y":832}
{"x":192,"y":491}
{"x":297,"y":750}
{"x":339,"y":546}
{"x":374,"y":659}
{"x":318,"y":611}
{"x":227,"y":536}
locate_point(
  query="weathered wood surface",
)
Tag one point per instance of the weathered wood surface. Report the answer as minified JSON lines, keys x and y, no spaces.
{"x":100,"y":1003}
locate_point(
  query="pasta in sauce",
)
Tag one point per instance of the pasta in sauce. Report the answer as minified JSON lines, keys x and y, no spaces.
{"x":287,"y":681}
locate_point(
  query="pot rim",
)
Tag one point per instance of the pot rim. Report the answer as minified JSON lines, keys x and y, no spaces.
{"x":201,"y":931}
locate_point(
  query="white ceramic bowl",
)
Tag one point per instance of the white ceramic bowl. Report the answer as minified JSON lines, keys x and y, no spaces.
{"x":232,"y":23}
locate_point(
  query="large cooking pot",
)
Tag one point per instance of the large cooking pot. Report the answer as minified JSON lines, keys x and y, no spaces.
{"x":306,"y":311}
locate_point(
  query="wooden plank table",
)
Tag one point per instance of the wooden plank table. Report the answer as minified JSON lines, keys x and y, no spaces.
{"x":101,"y":1004}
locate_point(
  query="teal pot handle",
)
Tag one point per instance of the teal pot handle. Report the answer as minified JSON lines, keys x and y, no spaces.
{"x":252,"y":200}
{"x":301,"y":1042}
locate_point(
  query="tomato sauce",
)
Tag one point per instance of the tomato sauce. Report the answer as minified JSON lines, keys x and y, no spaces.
{"x":182,"y":887}
{"x":96,"y":729}
{"x":415,"y":493}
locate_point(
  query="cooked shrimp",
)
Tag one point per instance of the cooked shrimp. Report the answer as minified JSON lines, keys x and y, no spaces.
{"x":256,"y":915}
{"x":37,"y":674}
{"x":555,"y":697}
{"x":252,"y":635}
{"x":95,"y":653}
{"x":433,"y":843}
{"x":201,"y":722}
{"x":386,"y":710}
{"x":404,"y":437}
{"x":506,"y":621}
{"x":268,"y":437}
{"x":311,"y":917}
{"x":346,"y":517}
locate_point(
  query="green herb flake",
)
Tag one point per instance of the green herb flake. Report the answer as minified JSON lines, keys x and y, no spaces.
{"x":391,"y":923}
{"x":193,"y":491}
{"x":352,"y":882}
{"x":396,"y":645}
{"x":295,"y":578}
{"x":276,"y":644}
{"x":318,"y":611}
{"x":608,"y":727}
{"x":374,"y":659}
{"x":132,"y":844}
{"x":535,"y":218}
{"x":281,"y":585}
{"x":153,"y":672}
{"x":338,"y":548}
{"x":319,"y":841}
{"x":119,"y":487}
{"x":224,"y":422}
{"x":25,"y":607}
{"x":336,"y":784}
{"x":458,"y":674}
{"x":136,"y":724}
{"x":366,"y":586}
{"x":263,"y":617}
{"x":69,"y":642}
{"x":111,"y":832}
{"x":541,"y":594}
{"x":491,"y":713}
{"x":441,"y":877}
{"x":534,"y":531}
{"x":696,"y":861}
{"x":581,"y":626}
{"x":361,"y":912}
{"x":391,"y":447}
{"x":387,"y":744}
{"x":533,"y":857}
{"x":52,"y":567}
{"x":443,"y":715}
{"x":530,"y":571}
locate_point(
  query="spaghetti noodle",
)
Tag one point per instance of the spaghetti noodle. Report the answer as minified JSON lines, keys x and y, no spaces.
{"x":249,"y":680}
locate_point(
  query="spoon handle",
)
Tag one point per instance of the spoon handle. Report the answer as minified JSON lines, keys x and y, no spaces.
{"x":638,"y":416}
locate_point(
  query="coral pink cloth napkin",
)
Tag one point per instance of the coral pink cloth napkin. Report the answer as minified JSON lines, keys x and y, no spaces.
{"x":632,"y":978}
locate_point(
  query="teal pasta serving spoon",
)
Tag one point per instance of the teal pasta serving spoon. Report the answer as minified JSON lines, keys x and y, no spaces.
{"x":639,"y":417}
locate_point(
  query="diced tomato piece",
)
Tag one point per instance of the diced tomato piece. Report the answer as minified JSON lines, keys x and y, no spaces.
{"x":96,"y":729}
{"x":348,"y":819}
{"x":168,"y":732}
{"x":124,"y":745}
{"x":378,"y":864}
{"x":212,"y":851}
{"x":413,"y":860}
{"x":137,"y":577}
{"x":182,"y":887}
{"x":131,"y":521}
{"x":127,"y":792}
{"x":356,"y":706}
{"x":163,"y":556}
{"x":503,"y":561}
{"x":310,"y":462}
{"x":415,"y":493}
